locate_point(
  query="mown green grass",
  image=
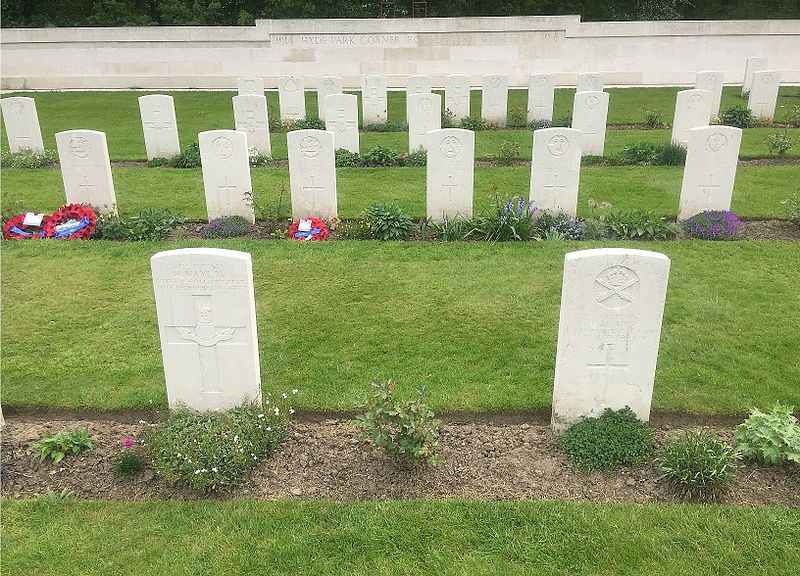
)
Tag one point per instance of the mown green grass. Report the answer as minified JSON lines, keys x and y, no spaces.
{"x":117,"y":114}
{"x":758,"y":191}
{"x":395,"y":538}
{"x":476,"y":323}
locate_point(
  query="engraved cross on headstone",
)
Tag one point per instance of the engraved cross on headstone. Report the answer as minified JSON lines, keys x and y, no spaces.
{"x":761,"y":105}
{"x":449,"y":186}
{"x":614,"y":357}
{"x":313,"y":190}
{"x":224,"y":192}
{"x":157,"y":123}
{"x":341,"y":124}
{"x":85,"y":186}
{"x":555,"y":184}
{"x":374,"y":99}
{"x":709,"y":189}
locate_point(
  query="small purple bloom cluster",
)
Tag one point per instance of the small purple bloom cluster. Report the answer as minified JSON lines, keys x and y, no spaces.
{"x":713,"y":225}
{"x":516,"y":210}
{"x":225,"y":227}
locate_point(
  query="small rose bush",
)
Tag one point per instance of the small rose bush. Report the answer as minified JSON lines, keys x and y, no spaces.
{"x":713,"y":225}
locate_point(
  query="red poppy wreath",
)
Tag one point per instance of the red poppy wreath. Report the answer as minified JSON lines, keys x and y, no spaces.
{"x":71,"y":222}
{"x":308,"y":229}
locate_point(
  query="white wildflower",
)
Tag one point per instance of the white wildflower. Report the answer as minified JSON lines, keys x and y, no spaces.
{"x":285,"y":395}
{"x":291,"y":410}
{"x":295,"y":390}
{"x":214,"y":469}
{"x":277,"y":411}
{"x":261,"y":415}
{"x":236,"y":438}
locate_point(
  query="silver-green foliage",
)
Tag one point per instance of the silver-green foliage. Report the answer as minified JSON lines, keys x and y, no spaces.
{"x":773,"y":437}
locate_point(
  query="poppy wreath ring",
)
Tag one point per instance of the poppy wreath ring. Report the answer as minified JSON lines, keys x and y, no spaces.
{"x":319,"y":231}
{"x":16,"y":230}
{"x":71,"y":222}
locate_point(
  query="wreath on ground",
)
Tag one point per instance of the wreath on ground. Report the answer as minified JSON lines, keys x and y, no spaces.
{"x":70,"y":222}
{"x":16,"y":229}
{"x":308,"y":229}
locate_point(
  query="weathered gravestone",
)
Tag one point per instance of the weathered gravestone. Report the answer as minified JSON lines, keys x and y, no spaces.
{"x":22,"y":124}
{"x":373,"y":100}
{"x":207,"y":322}
{"x":250,"y":85}
{"x":86,"y":169}
{"x":541,"y":91}
{"x":456,"y":95}
{"x":692,"y":110}
{"x":590,"y":82}
{"x":711,"y":80}
{"x":416,"y":85}
{"x":251,"y":117}
{"x":589,"y":114}
{"x":425,"y":114}
{"x":341,"y":118}
{"x":312,"y":174}
{"x":451,"y":161}
{"x":612,"y":303}
{"x":556,"y":169}
{"x":226,"y":174}
{"x":751,"y":66}
{"x":710,"y":171}
{"x":159,"y":126}
{"x":326,"y":85}
{"x":291,"y":98}
{"x":494,"y":99}
{"x":764,"y":94}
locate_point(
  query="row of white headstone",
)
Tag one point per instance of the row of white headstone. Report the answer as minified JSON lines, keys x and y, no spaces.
{"x":612,"y":303}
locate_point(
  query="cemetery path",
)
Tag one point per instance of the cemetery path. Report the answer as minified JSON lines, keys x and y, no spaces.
{"x":323,"y":459}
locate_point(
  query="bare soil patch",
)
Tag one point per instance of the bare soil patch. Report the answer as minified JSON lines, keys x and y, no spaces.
{"x":324,"y":459}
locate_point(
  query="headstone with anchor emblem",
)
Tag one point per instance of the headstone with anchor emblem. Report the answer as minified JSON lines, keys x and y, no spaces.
{"x":251,"y":117}
{"x":374,"y":100}
{"x":159,"y":126}
{"x":22,"y":124}
{"x":692,"y":110}
{"x":207,"y":321}
{"x":86,"y":169}
{"x":612,"y":303}
{"x":341,"y":118}
{"x":451,"y":161}
{"x":312,"y":174}
{"x":589,"y":115}
{"x":556,"y":169}
{"x":457,"y":95}
{"x":764,"y":94}
{"x":494,"y":99}
{"x":291,"y":97}
{"x":226,"y":174}
{"x":710,"y":170}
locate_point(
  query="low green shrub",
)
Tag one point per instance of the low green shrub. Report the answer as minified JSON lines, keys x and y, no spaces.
{"x":779,"y":144}
{"x":507,"y":221}
{"x":640,"y":224}
{"x":28,"y":159}
{"x":129,"y":464}
{"x":417,"y":158}
{"x":646,"y":154}
{"x":347,"y":159}
{"x":517,"y":118}
{"x":449,"y":119}
{"x":148,"y":225}
{"x":355,"y":230}
{"x":592,"y":160}
{"x":699,"y":465}
{"x":540,"y":124}
{"x":453,"y":229}
{"x":162,"y":162}
{"x":563,"y":121}
{"x":558,"y":226}
{"x":212,"y":452}
{"x":772,"y":437}
{"x":307,"y":123}
{"x":387,"y":221}
{"x":62,"y":444}
{"x":273,"y":213}
{"x":381,"y":156}
{"x":189,"y":157}
{"x":652,"y":119}
{"x":472,"y":123}
{"x":225,"y":227}
{"x":594,"y":229}
{"x":385,"y":127}
{"x":408,"y":430}
{"x":509,"y":151}
{"x":739,"y":116}
{"x":792,"y":208}
{"x":615,"y":439}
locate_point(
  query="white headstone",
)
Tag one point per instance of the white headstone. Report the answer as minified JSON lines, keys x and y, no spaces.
{"x":159,"y":125}
{"x":291,"y":98}
{"x":226,"y":173}
{"x":416,"y":85}
{"x":86,"y":169}
{"x":589,"y":115}
{"x":711,"y":80}
{"x":207,"y":322}
{"x":341,"y":118}
{"x":424,"y":115}
{"x":692,"y":110}
{"x":251,"y":117}
{"x":556,"y":169}
{"x":456,"y":95}
{"x":612,"y":302}
{"x":373,"y":100}
{"x":451,"y":161}
{"x":326,"y":85}
{"x":22,"y":124}
{"x":590,"y":82}
{"x":312,"y":174}
{"x":250,"y":85}
{"x":710,"y":171}
{"x":494,"y":99}
{"x":764,"y":94}
{"x":541,"y":92}
{"x":752,"y":65}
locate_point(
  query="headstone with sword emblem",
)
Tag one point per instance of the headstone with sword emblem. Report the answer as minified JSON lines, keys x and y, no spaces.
{"x":207,"y":321}
{"x":612,"y":303}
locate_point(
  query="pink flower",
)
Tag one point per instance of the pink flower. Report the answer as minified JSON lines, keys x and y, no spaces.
{"x":128,"y":442}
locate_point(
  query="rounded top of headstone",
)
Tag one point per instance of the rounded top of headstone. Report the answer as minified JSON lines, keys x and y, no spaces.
{"x":614,"y":252}
{"x":202,"y":252}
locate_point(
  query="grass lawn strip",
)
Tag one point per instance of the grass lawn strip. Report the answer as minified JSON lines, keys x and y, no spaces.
{"x":475,"y":322}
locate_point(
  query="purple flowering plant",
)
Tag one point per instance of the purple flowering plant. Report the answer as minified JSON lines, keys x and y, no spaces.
{"x":225,"y":227}
{"x":713,"y":225}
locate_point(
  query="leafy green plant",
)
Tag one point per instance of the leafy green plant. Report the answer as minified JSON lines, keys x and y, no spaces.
{"x":772,"y":437}
{"x":592,"y":160}
{"x":558,"y":226}
{"x":148,"y":225}
{"x":508,"y":220}
{"x":647,"y":154}
{"x":509,"y":151}
{"x":386,"y":127}
{"x":453,"y":229}
{"x":699,"y":464}
{"x":563,"y":121}
{"x":540,"y":124}
{"x":225,"y":227}
{"x":739,"y":116}
{"x":472,"y":123}
{"x":408,"y":430}
{"x":418,"y":157}
{"x":448,"y":119}
{"x":129,"y":464}
{"x":388,"y":222}
{"x":62,"y":444}
{"x":212,"y":452}
{"x":652,"y":118}
{"x":256,"y":159}
{"x":347,"y":159}
{"x":355,"y":230}
{"x":161,"y":161}
{"x":26,"y":158}
{"x":381,"y":156}
{"x":272,"y":213}
{"x":594,"y":229}
{"x":614,"y":439}
{"x":517,"y":118}
{"x":189,"y":157}
{"x":792,"y":204}
{"x":640,"y":224}
{"x":792,"y":115}
{"x":307,"y":123}
{"x":779,"y":144}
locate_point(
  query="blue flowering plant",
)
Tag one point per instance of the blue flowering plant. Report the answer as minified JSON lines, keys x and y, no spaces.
{"x":713,"y":225}
{"x":225,"y":227}
{"x":559,"y":226}
{"x":507,"y":221}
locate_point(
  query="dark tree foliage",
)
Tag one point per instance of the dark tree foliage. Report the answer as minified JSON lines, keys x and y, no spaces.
{"x":44,"y":13}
